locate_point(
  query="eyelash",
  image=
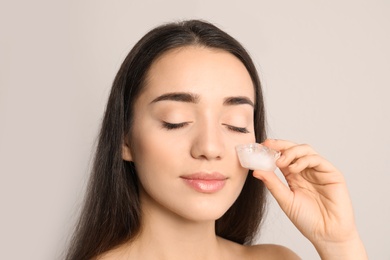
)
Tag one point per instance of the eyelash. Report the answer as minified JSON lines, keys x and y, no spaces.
{"x":170,"y":126}
{"x":242,"y":130}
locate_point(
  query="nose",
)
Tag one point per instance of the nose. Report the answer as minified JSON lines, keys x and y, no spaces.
{"x":208,"y":143}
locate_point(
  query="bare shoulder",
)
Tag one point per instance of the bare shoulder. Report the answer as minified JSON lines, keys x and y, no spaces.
{"x":118,"y":253}
{"x":230,"y":250}
{"x":271,"y":251}
{"x":265,"y":251}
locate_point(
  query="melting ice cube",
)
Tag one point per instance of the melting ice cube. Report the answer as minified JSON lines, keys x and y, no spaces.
{"x":257,"y":157}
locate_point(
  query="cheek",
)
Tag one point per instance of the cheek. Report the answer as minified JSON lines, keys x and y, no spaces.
{"x":149,"y":153}
{"x":154,"y":157}
{"x":151,"y":165}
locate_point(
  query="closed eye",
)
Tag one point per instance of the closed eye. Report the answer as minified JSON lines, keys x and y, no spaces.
{"x":171,"y":126}
{"x":237,"y":129}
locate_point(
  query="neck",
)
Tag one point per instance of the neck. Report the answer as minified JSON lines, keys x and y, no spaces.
{"x":166,"y":235}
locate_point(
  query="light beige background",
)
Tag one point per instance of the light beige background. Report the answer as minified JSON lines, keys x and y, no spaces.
{"x":324,"y":67}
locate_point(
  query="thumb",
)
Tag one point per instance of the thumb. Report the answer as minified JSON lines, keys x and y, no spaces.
{"x":278,"y":189}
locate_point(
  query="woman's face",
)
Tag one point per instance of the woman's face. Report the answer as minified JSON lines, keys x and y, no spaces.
{"x":197,"y":105}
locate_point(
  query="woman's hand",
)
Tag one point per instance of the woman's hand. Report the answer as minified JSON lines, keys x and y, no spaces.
{"x":316,"y":200}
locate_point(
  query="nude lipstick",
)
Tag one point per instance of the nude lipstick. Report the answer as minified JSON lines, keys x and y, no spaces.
{"x":205,"y":182}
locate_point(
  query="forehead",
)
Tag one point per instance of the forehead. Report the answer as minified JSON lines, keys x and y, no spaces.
{"x":200,"y":70}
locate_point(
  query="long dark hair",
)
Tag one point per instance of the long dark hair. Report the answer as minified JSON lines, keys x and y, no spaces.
{"x":111,"y":213}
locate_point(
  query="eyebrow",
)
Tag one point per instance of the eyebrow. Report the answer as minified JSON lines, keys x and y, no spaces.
{"x":193,"y":98}
{"x":178,"y":96}
{"x":241,"y":100}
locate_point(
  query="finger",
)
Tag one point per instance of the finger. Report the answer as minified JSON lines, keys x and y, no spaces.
{"x":278,"y":189}
{"x":293,"y":153}
{"x":313,"y":161}
{"x":278,"y":144}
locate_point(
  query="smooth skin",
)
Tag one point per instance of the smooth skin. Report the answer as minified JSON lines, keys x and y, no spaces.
{"x":175,"y":136}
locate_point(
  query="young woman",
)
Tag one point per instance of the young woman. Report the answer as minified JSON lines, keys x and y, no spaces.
{"x":166,"y":181}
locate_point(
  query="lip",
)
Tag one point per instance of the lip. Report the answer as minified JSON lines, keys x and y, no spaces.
{"x":205,"y":182}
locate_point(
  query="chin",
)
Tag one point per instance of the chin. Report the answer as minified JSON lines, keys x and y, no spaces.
{"x":206,"y":210}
